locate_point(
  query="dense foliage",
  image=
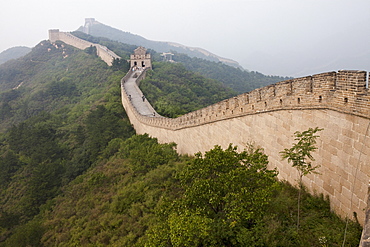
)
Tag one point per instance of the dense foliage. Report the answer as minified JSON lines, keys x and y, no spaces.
{"x":142,"y":193}
{"x":44,"y":156}
{"x":174,"y":90}
{"x":50,"y":78}
{"x":73,"y":173}
{"x":60,"y":107}
{"x":225,"y":195}
{"x":113,"y":204}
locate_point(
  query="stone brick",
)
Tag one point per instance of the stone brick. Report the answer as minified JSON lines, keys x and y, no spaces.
{"x":347,"y":193}
{"x":349,"y":133}
{"x":347,"y":183}
{"x":360,"y":147}
{"x":345,"y":206}
{"x":343,"y":173}
{"x":337,"y":185}
{"x":328,"y":188}
{"x":335,"y":144}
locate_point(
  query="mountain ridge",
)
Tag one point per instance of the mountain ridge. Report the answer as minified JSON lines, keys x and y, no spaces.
{"x":237,"y":79}
{"x":13,"y":53}
{"x":95,"y":28}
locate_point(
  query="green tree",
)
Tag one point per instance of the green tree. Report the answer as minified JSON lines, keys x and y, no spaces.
{"x":43,"y":185}
{"x":26,"y":235}
{"x":120,"y":64}
{"x":173,"y":90}
{"x":91,"y":50}
{"x":5,"y":111}
{"x":102,"y":126}
{"x":300,"y":155}
{"x":146,"y":153}
{"x":36,"y":139}
{"x":225,"y":193}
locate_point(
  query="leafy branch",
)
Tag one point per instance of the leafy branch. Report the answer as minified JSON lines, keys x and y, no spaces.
{"x":300,"y":155}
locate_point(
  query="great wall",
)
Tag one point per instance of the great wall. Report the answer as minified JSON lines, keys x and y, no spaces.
{"x":103,"y":52}
{"x":338,"y":102}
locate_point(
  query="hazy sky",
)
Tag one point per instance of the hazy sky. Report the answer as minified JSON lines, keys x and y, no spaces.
{"x":252,"y":32}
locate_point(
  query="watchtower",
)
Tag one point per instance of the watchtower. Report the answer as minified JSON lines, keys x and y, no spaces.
{"x":140,"y":58}
{"x":53,"y":35}
{"x":167,"y":56}
{"x":88,"y":23}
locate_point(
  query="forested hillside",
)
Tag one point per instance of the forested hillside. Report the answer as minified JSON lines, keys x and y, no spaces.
{"x":173,"y":90}
{"x":239,"y":80}
{"x":73,"y":172}
{"x":50,"y":78}
{"x":59,"y":108}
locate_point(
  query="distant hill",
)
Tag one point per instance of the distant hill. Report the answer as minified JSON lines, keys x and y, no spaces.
{"x":13,"y":53}
{"x":98,"y":29}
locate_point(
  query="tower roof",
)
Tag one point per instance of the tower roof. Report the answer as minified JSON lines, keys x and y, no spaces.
{"x":140,"y":51}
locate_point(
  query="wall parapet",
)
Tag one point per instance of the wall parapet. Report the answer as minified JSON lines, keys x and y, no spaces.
{"x":344,"y":91}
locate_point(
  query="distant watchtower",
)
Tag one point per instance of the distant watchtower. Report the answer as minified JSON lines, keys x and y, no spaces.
{"x":88,"y":23}
{"x":140,"y":58}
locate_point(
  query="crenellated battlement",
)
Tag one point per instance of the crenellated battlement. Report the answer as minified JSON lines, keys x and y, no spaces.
{"x":343,"y":91}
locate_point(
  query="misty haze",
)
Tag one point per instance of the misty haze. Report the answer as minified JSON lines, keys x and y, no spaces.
{"x":285,"y":38}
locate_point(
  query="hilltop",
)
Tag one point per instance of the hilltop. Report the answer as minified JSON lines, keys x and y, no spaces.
{"x":13,"y":53}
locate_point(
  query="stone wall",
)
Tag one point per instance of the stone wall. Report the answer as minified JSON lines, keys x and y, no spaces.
{"x":338,"y":102}
{"x":103,"y":52}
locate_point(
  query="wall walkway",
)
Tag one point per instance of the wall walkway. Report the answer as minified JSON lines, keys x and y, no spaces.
{"x":136,"y":97}
{"x":338,"y":102}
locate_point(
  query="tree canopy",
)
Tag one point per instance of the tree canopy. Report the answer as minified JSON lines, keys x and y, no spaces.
{"x":225,"y":193}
